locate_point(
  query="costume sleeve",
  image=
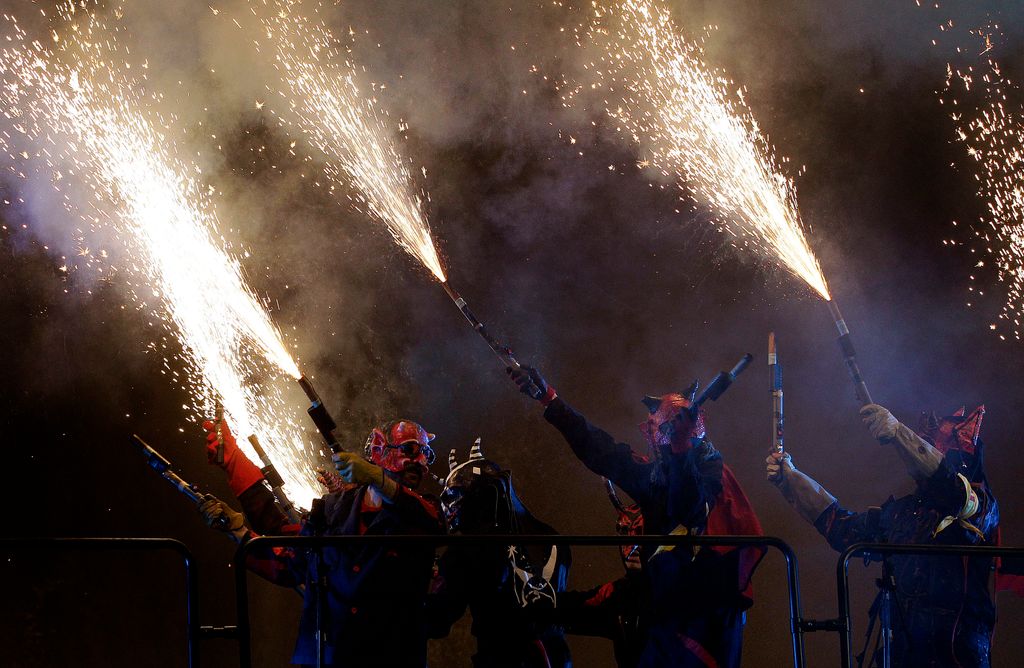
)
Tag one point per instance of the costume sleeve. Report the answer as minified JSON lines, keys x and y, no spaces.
{"x":262,"y":513}
{"x":842,"y":528}
{"x":449,"y":593}
{"x":598,"y":451}
{"x":595,"y":612}
{"x":283,"y":566}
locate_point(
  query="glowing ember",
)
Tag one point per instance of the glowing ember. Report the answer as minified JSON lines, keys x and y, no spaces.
{"x":94,"y":136}
{"x":695,"y":131}
{"x":326,"y":106}
{"x":992,"y":131}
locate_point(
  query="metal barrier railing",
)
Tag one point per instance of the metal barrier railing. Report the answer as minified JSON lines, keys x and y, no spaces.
{"x":129,"y":545}
{"x":798,"y":626}
{"x":843,"y":624}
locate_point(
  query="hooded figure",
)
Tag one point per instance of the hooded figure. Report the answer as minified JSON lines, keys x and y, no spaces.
{"x":695,"y":600}
{"x":506,"y":588}
{"x":942,"y":611}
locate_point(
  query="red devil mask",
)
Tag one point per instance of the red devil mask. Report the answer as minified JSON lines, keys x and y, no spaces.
{"x":399,"y":445}
{"x":955,"y":432}
{"x":670,"y":423}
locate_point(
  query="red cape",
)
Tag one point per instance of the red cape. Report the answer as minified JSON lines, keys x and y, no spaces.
{"x":734,"y":516}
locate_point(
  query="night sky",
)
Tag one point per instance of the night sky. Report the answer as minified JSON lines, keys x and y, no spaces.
{"x":592,"y":269}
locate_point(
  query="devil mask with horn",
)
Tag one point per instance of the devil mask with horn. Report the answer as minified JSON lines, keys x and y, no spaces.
{"x":956,"y":436}
{"x":670,"y":428}
{"x":478,"y":497}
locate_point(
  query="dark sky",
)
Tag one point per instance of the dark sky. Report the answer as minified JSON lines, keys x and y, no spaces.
{"x":591,"y":274}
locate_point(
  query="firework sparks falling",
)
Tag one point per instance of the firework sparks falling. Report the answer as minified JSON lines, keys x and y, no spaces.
{"x":696,"y":131}
{"x":75,"y":116}
{"x":987,"y":110}
{"x":342,"y":123}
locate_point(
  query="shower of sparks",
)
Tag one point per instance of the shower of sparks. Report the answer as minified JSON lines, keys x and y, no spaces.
{"x":987,"y":109}
{"x":75,"y":119}
{"x":343,"y":125}
{"x":696,"y":131}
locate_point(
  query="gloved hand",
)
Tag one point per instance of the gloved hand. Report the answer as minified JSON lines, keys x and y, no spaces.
{"x":332,"y":481}
{"x":779,"y":466}
{"x":242,"y":472}
{"x":532,"y":384}
{"x":880,"y":422}
{"x":222,"y":517}
{"x":354,"y":469}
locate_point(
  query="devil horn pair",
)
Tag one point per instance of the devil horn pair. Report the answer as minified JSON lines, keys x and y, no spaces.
{"x":475,"y":452}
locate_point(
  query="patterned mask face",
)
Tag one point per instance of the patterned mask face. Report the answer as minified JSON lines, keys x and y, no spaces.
{"x":670,"y":424}
{"x":958,"y":431}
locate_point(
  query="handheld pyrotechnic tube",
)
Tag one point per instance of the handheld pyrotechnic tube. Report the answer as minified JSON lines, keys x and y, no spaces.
{"x":720,"y":384}
{"x":504,"y":353}
{"x":275,"y":481}
{"x":849,"y":354}
{"x":161,"y":465}
{"x":218,"y":417}
{"x":775,"y":376}
{"x":321,"y":418}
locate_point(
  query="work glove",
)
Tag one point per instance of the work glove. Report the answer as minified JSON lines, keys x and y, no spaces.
{"x":921,"y":458}
{"x":779,"y":466}
{"x":222,"y":517}
{"x":532,"y":384}
{"x":242,"y":472}
{"x":880,"y":422}
{"x":354,"y":469}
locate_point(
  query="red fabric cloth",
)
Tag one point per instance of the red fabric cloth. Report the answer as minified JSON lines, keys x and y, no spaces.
{"x":733,"y":515}
{"x":1007,"y":581}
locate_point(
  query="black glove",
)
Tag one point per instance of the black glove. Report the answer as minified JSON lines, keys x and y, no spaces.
{"x":532,"y":384}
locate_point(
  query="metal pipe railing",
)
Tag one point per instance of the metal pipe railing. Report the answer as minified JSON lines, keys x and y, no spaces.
{"x":797,"y":624}
{"x":129,"y":545}
{"x":843,"y":579}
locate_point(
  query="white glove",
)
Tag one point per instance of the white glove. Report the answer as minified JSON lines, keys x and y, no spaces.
{"x":779,"y":466}
{"x":880,"y":422}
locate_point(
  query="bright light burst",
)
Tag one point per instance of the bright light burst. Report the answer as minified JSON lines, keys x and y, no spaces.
{"x":79,"y":121}
{"x":342,"y":123}
{"x":986,"y":107}
{"x":696,"y":131}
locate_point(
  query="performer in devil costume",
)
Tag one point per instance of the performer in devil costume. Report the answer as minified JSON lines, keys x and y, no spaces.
{"x":504,"y":586}
{"x":695,"y":612}
{"x":613,"y":610}
{"x":942,"y":613}
{"x":375,"y":596}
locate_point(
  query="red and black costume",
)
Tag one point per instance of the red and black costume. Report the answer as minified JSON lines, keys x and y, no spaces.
{"x":944,"y":613}
{"x":375,"y":595}
{"x":695,"y":601}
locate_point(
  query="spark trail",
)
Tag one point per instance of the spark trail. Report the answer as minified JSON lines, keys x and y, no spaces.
{"x":78,"y":120}
{"x":988,"y":111}
{"x":696,"y":131}
{"x":342,"y":124}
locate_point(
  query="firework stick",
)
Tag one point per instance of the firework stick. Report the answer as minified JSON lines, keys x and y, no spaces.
{"x":504,"y":353}
{"x":275,"y":481}
{"x":321,"y":418}
{"x":775,"y":376}
{"x":161,"y":465}
{"x":849,"y":354}
{"x":218,"y":418}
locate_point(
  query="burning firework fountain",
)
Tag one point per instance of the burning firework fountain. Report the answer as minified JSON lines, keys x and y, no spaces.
{"x":704,"y":137}
{"x":84,"y":121}
{"x":343,"y":126}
